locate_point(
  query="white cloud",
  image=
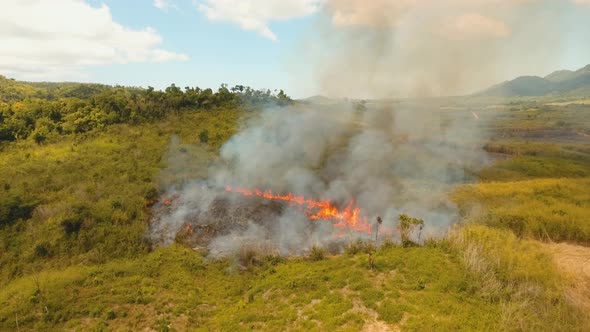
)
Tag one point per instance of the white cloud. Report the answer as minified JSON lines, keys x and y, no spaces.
{"x":255,"y":15}
{"x":582,"y":2}
{"x":53,"y":39}
{"x":164,"y":4}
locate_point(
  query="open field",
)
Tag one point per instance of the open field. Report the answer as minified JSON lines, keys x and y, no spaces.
{"x":76,"y":257}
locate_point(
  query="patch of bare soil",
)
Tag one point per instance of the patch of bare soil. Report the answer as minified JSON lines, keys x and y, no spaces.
{"x":574,"y":263}
{"x":372,"y":322}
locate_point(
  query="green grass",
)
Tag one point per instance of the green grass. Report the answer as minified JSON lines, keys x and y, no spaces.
{"x":445,"y":286}
{"x":546,"y":209}
{"x":83,"y":199}
{"x":520,"y":275}
{"x":427,"y":287}
{"x":73,"y":219}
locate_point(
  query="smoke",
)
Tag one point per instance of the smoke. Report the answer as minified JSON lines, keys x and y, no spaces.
{"x":390,"y":159}
{"x":418,"y":48}
{"x":389,"y":156}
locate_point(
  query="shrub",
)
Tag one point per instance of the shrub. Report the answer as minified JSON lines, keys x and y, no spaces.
{"x":406,"y":227}
{"x":14,"y":208}
{"x":42,"y":250}
{"x":360,"y":247}
{"x":71,"y":225}
{"x":317,"y":254}
{"x":204,"y":137}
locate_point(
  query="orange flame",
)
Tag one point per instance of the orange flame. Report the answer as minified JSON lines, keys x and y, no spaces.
{"x":349,"y":218}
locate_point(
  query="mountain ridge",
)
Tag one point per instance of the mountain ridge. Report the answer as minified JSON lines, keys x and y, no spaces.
{"x":558,"y":82}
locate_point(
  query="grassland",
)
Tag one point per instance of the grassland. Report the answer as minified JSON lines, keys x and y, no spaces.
{"x":74,"y":254}
{"x":433,"y":287}
{"x":88,"y":193}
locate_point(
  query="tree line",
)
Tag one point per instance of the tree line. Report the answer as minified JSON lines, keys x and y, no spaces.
{"x":40,"y":110}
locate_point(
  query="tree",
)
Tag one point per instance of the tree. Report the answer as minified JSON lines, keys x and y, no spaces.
{"x":406,"y":227}
{"x":283,"y":99}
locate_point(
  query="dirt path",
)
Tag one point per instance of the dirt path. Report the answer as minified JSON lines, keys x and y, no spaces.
{"x":574,"y":263}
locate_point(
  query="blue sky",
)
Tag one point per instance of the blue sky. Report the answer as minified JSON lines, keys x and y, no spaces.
{"x":218,"y":52}
{"x":303,"y":46}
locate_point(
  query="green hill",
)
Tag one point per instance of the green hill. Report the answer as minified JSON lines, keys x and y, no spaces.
{"x":75,"y":210}
{"x":562,"y":82}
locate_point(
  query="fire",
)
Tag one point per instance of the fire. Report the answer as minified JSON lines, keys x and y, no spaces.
{"x":349,"y":218}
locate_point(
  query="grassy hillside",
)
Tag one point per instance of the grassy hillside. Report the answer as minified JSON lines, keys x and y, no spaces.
{"x":562,"y":82}
{"x":448,"y":285}
{"x":83,"y":199}
{"x":74,"y":256}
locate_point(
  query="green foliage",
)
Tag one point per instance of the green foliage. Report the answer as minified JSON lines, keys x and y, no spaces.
{"x":89,"y":199}
{"x":13,"y":208}
{"x":41,"y":111}
{"x":71,"y":225}
{"x":204,"y":137}
{"x":545,"y":209}
{"x":407,"y":226}
{"x":82,"y":164}
{"x":178,"y":289}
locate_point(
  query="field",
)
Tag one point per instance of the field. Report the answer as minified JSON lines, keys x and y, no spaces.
{"x":74,"y":254}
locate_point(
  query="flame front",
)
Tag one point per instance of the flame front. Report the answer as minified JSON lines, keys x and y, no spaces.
{"x":349,"y":218}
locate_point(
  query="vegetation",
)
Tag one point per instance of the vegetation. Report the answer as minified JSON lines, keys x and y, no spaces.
{"x":46,"y":111}
{"x":75,"y":205}
{"x":407,"y":226}
{"x":174,"y":288}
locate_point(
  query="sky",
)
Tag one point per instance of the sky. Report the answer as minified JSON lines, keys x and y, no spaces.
{"x":307,"y":47}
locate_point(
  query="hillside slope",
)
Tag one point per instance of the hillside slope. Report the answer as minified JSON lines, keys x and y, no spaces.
{"x":558,"y":82}
{"x":75,"y":211}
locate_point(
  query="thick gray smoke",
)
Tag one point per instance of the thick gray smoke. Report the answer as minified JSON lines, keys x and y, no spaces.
{"x":422,"y":48}
{"x":389,"y":158}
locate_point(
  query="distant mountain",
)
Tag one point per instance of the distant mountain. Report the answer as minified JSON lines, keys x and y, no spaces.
{"x":558,"y":82}
{"x":559,"y":75}
{"x":320,"y":100}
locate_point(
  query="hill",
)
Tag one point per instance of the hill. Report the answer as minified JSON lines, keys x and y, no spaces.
{"x":561,"y":82}
{"x":75,"y":210}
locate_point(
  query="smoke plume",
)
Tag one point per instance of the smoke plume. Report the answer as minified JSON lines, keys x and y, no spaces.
{"x":423,"y":48}
{"x":388,"y":156}
{"x":389,"y":159}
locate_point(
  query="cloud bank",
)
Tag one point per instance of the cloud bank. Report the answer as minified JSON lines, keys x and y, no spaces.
{"x":57,"y":39}
{"x":256,"y":15}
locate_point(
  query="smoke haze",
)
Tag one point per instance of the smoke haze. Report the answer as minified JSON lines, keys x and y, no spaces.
{"x":390,"y":157}
{"x":423,"y":48}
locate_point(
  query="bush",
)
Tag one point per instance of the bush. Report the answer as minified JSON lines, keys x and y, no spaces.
{"x":358,"y":247}
{"x":14,"y":208}
{"x":317,"y":254}
{"x":42,"y":250}
{"x":204,"y":137}
{"x":406,"y":227}
{"x":71,"y":225}
{"x":39,"y":137}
